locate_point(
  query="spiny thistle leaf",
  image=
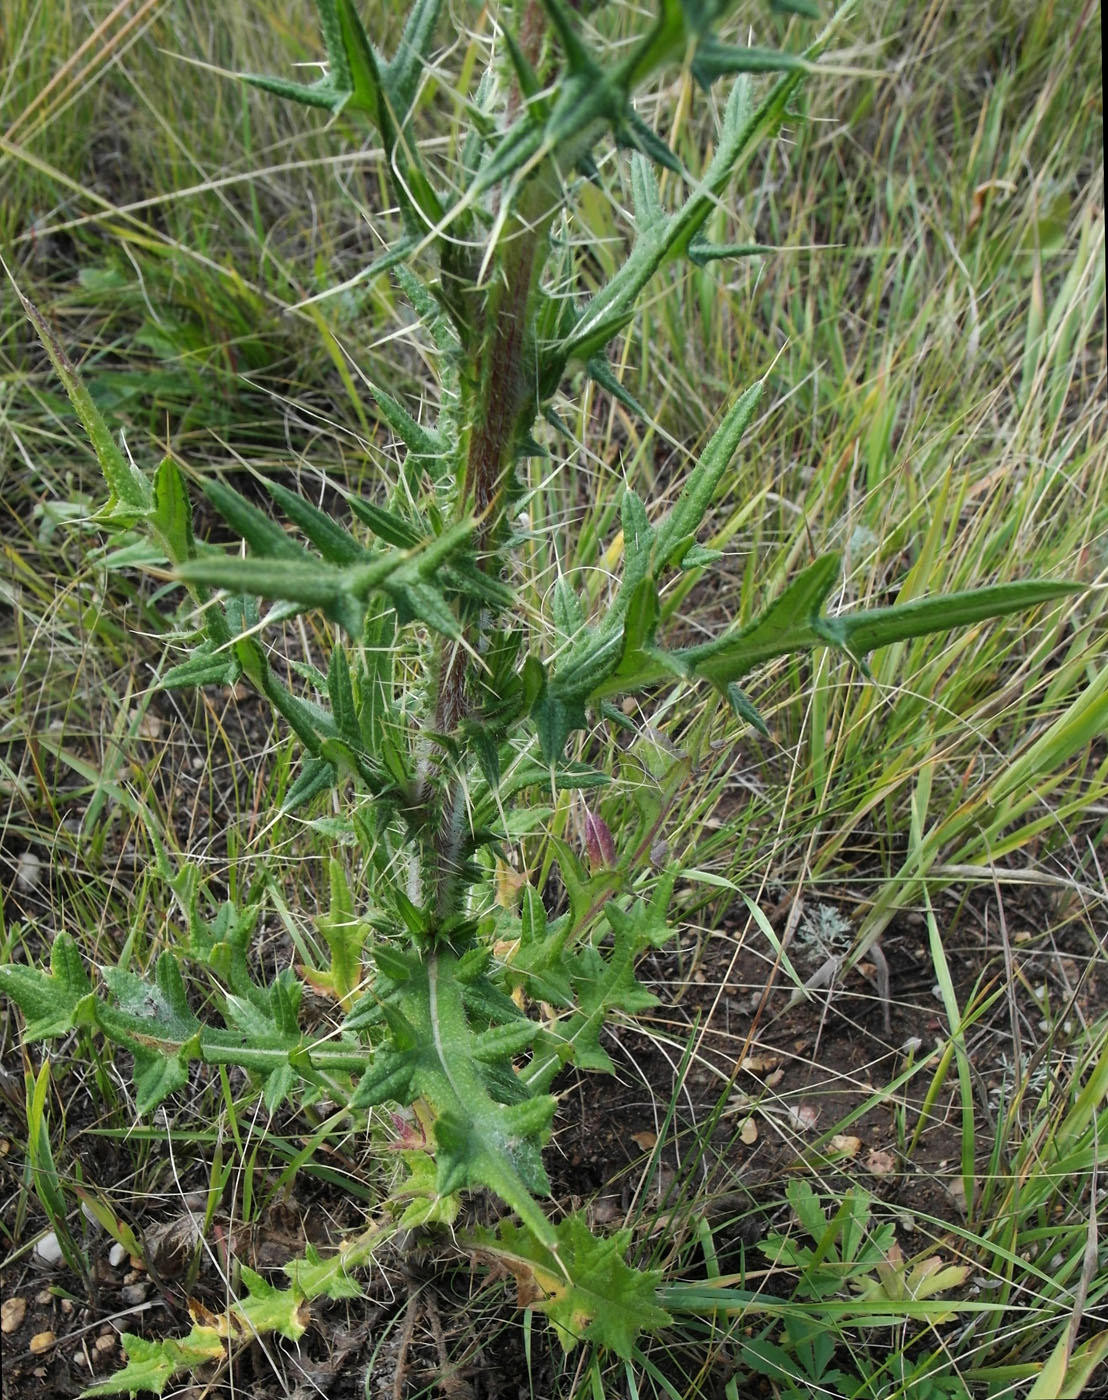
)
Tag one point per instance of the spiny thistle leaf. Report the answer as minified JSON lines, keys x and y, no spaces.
{"x":204,"y":667}
{"x":341,"y":84}
{"x":634,"y":134}
{"x":264,"y":1309}
{"x":387,"y":525}
{"x":600,"y":371}
{"x":316,"y":1277}
{"x":56,"y":1002}
{"x":359,"y":80}
{"x":271,"y":1020}
{"x":504,"y":1041}
{"x":297,"y":577}
{"x":408,"y":576}
{"x":323,"y":93}
{"x":677,"y":532}
{"x":746,"y":710}
{"x":346,"y":935}
{"x":270,"y":1309}
{"x":702,"y":253}
{"x":861,"y":632}
{"x":336,"y":545}
{"x":155,"y":1022}
{"x":795,"y":622}
{"x":568,"y":614}
{"x":601,"y":985}
{"x":340,"y":691}
{"x":714,"y":59}
{"x":171,"y":516}
{"x":790,"y":623}
{"x":569,"y":777}
{"x":424,"y":1205}
{"x":420,"y":441}
{"x":407,"y":65}
{"x":158,"y":1012}
{"x":555,"y":720}
{"x":389,"y":1080}
{"x":525,"y":75}
{"x":131,"y":493}
{"x":610,"y":309}
{"x":317,"y":775}
{"x":264,"y":536}
{"x":152,"y":1365}
{"x":582,"y":1283}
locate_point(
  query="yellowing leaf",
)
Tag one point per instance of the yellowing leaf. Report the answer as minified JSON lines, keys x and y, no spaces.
{"x":224,"y":1325}
{"x":898,"y":1279}
{"x":509,"y":883}
{"x":930,"y":1277}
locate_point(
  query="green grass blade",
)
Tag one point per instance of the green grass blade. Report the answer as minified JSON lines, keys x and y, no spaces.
{"x":130,"y":490}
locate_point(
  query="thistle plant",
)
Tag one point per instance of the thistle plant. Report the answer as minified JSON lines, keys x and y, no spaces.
{"x":444,"y":701}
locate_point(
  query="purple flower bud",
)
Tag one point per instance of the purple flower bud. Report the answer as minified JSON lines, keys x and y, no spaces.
{"x":599,"y":846}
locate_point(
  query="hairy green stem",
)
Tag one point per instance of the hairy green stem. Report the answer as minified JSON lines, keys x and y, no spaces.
{"x":504,"y":405}
{"x":226,"y":1048}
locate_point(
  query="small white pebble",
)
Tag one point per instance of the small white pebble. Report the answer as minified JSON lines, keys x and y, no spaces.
{"x":48,"y":1250}
{"x":28,"y":871}
{"x":149,"y":726}
{"x":116,"y":1255}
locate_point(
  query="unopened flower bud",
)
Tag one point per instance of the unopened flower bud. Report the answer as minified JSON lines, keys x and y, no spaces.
{"x":599,"y":845}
